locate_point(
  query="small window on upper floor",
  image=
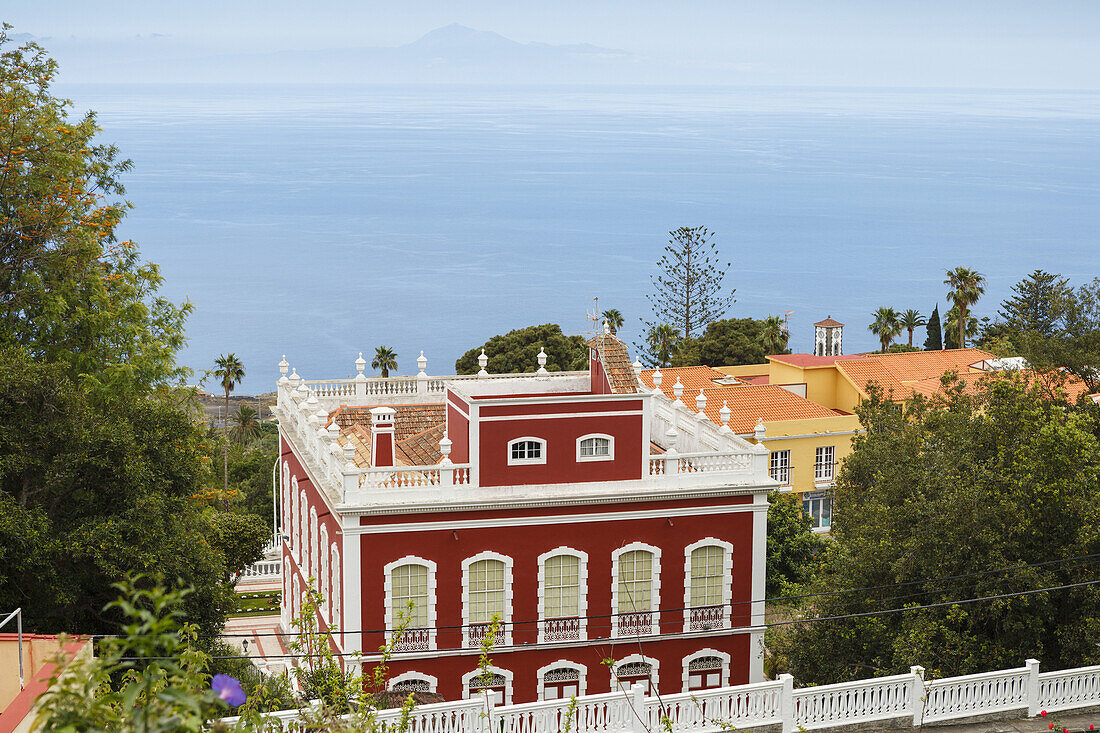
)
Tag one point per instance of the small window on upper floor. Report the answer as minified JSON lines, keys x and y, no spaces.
{"x":526,"y":451}
{"x":595,"y":448}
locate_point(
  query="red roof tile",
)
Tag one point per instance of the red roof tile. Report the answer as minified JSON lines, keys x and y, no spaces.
{"x":616,"y":363}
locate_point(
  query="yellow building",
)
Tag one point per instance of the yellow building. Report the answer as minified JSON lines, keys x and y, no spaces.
{"x":807,"y":440}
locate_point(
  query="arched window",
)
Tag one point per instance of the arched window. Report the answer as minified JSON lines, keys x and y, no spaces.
{"x":414,"y":682}
{"x":526,"y":450}
{"x":302,"y":548}
{"x":337,"y":591}
{"x":561,"y":679}
{"x":323,"y":557}
{"x":635,"y":669}
{"x":410,"y":595}
{"x":284,"y":500}
{"x":706,"y":669}
{"x":496,"y":681}
{"x":708,"y":568}
{"x":635,"y":589}
{"x":314,"y":547}
{"x":295,"y":601}
{"x":285,"y":600}
{"x":293,"y":530}
{"x":563,"y":603}
{"x":597,"y":447}
{"x":487,"y":592}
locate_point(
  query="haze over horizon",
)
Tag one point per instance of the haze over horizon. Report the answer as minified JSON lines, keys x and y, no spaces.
{"x":982,"y":44}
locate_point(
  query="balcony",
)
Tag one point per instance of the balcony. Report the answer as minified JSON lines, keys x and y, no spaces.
{"x":477,"y":634}
{"x":413,"y":640}
{"x":561,"y":629}
{"x":634,"y":624}
{"x":705,"y":618}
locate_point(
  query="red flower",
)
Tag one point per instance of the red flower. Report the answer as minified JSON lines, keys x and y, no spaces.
{"x":1043,"y":713}
{"x":1051,"y":726}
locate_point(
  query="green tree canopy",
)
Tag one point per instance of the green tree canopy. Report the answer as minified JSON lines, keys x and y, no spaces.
{"x":960,"y":485}
{"x":91,"y":491}
{"x":384,"y":360}
{"x":728,"y":342}
{"x":1075,"y":345}
{"x":517,"y":351}
{"x":688,"y":289}
{"x":1037,"y":305}
{"x":792,"y":545}
{"x":966,"y":288}
{"x":886,"y":325}
{"x":70,"y":291}
{"x":934,"y":342}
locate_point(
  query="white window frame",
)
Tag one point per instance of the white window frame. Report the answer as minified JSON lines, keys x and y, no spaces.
{"x":433,"y":683}
{"x":285,"y":601}
{"x":388,"y":570}
{"x":708,"y":653}
{"x":337,"y":590}
{"x":505,"y":638}
{"x":655,"y":581}
{"x":818,"y":496}
{"x":284,"y":500}
{"x":527,"y":461}
{"x":655,"y":670}
{"x":602,"y":436}
{"x":314,"y":548}
{"x":784,"y":466}
{"x":507,"y":674}
{"x":303,"y":531}
{"x":582,"y":675}
{"x":295,"y":530}
{"x":582,"y":590}
{"x":727,"y":579}
{"x":825,"y":471}
{"x":322,"y":582}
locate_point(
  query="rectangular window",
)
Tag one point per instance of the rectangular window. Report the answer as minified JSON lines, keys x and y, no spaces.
{"x":635,"y":581}
{"x":780,"y":468}
{"x":825,"y":463}
{"x":486,"y":591}
{"x":707,"y":573}
{"x":819,"y":506}
{"x":410,"y":587}
{"x":562,"y":591}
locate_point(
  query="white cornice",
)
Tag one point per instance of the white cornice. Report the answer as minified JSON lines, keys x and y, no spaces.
{"x":524,"y":521}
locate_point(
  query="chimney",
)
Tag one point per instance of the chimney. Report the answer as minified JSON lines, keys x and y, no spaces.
{"x":381,"y":436}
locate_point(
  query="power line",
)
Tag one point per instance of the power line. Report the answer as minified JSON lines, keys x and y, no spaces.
{"x":529,"y":622}
{"x":706,"y":632}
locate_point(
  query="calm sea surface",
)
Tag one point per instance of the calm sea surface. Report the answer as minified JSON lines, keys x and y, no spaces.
{"x":323,"y":221}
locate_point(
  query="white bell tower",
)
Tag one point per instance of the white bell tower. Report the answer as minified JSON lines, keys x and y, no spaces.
{"x":828,"y":336}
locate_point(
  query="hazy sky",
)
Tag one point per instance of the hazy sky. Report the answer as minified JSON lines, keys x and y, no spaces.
{"x":987,"y":43}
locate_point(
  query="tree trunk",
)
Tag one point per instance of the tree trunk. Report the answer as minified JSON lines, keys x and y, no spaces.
{"x":225,"y":453}
{"x":962,"y":327}
{"x":910,"y":338}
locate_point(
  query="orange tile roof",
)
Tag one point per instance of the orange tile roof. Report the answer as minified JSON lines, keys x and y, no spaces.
{"x":616,"y":363}
{"x":897,"y":372}
{"x":972,"y":382}
{"x":748,"y":403}
{"x":694,"y":378}
{"x":809,"y":360}
{"x":829,"y":322}
{"x":422,"y":449}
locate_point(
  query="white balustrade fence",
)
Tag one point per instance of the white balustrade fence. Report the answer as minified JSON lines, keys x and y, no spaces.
{"x":901,"y":700}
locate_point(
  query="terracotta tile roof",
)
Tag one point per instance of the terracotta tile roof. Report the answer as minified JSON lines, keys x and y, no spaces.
{"x":756,"y":379}
{"x":973,"y":381}
{"x":748,"y":403}
{"x":616,"y":363}
{"x":829,"y":322}
{"x":409,"y":420}
{"x":862,"y":372}
{"x":809,"y":360}
{"x":694,"y":378}
{"x":898,"y":372}
{"x":422,"y":449}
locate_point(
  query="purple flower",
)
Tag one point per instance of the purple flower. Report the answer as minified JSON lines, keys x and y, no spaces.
{"x":228,"y":689}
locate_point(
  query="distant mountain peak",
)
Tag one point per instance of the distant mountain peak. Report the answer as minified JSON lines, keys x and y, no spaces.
{"x":461,"y":37}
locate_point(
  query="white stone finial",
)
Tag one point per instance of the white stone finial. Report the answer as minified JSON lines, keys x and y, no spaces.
{"x":333,"y":429}
{"x":294,"y":379}
{"x":284,"y":367}
{"x":759,"y":431}
{"x":637,"y":365}
{"x":677,"y":389}
{"x":606,"y":326}
{"x":671,"y":438}
{"x":542,"y":361}
{"x":445,"y":449}
{"x":482,"y":361}
{"x":657,"y":377}
{"x":349,"y":451}
{"x":701,"y":403}
{"x":312,"y":403}
{"x":302,"y":392}
{"x":360,"y":363}
{"x":724,"y":413}
{"x":422,"y":363}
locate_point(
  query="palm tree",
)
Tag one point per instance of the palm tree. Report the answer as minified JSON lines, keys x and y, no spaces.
{"x":662,"y":340}
{"x":385,"y":359}
{"x":245,"y":425}
{"x":967,"y":286}
{"x":910,"y":320}
{"x":614,"y":319}
{"x":230,"y":372}
{"x":885,"y":326}
{"x":774,"y":335}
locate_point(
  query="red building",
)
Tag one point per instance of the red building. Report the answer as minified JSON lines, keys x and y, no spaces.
{"x":593,"y":517}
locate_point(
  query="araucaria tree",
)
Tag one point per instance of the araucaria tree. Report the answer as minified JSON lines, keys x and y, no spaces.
{"x":967,"y":287}
{"x":688,"y":287}
{"x":885,"y":326}
{"x":229,"y":371}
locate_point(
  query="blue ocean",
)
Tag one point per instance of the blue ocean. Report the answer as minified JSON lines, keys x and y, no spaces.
{"x":319,"y":222}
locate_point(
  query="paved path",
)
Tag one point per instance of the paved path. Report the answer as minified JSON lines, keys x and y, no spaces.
{"x":265,"y":644}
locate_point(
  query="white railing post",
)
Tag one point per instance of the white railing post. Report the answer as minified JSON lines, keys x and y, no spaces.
{"x":786,"y":703}
{"x":1033,"y":702}
{"x":916,"y":695}
{"x":638,"y":723}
